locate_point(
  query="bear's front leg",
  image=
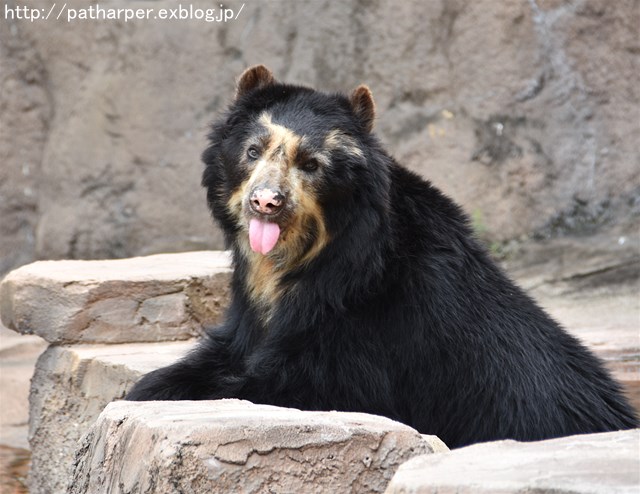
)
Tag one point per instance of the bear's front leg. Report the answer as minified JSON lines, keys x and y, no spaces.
{"x":206,"y":373}
{"x":179,"y":381}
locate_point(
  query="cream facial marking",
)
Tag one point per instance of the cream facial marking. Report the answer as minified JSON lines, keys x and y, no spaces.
{"x":283,"y":143}
{"x":336,"y":139}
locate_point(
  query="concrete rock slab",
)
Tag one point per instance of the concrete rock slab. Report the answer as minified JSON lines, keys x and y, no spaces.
{"x":235,"y":446}
{"x":70,"y":387}
{"x":588,"y":464}
{"x":155,"y":298}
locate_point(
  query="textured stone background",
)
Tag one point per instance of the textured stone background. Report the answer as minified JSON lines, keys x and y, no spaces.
{"x":526,"y":112}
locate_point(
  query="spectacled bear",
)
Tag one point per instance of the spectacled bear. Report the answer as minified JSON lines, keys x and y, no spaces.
{"x":358,"y":286}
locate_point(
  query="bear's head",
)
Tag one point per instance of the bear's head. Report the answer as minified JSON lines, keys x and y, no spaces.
{"x":290,"y":169}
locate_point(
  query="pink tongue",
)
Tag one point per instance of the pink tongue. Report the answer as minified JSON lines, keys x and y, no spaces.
{"x":263,"y":235}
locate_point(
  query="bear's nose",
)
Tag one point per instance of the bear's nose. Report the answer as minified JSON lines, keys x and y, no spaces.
{"x":266,"y":201}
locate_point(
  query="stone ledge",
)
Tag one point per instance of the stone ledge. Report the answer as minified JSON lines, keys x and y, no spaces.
{"x":235,"y":446}
{"x":605,"y":463}
{"x":145,"y":299}
{"x":69,"y":389}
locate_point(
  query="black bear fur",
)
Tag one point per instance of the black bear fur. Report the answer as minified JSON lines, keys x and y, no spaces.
{"x":402,"y":313}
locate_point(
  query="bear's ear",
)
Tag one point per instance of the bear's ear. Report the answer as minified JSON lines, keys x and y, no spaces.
{"x":253,"y":78}
{"x":363,"y":106}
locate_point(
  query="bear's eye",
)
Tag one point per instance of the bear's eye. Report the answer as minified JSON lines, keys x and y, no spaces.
{"x":309,"y":165}
{"x":253,"y":153}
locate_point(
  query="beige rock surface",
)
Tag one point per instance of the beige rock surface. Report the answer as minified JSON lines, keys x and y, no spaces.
{"x":525,"y":112}
{"x":153,"y":298}
{"x":235,"y":446}
{"x":606,"y":463}
{"x":18,"y":355}
{"x":70,"y":387}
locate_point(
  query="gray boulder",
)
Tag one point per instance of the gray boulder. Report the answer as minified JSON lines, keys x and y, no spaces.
{"x":70,"y":387}
{"x":235,"y":446}
{"x":154,"y":298}
{"x":605,"y":463}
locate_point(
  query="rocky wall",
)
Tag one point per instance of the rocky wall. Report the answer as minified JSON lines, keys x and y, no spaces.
{"x":525,"y":111}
